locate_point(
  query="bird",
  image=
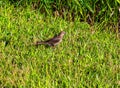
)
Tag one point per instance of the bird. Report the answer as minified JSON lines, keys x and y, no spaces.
{"x":52,"y":41}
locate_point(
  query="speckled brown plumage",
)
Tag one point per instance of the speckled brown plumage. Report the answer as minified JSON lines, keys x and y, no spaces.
{"x":53,"y":41}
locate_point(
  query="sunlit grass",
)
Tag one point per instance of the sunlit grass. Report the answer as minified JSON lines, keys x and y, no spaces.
{"x":84,"y":58}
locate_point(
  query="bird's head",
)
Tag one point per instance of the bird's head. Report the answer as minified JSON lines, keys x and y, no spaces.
{"x":62,"y":33}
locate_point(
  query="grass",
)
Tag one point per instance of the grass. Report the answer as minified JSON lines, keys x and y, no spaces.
{"x":87,"y":57}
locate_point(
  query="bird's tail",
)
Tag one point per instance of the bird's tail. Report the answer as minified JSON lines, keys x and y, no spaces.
{"x":40,"y":42}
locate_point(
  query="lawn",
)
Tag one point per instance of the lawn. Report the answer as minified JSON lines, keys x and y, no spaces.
{"x":87,"y":56}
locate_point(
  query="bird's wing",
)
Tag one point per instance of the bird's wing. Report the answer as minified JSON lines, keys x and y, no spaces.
{"x":53,"y":40}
